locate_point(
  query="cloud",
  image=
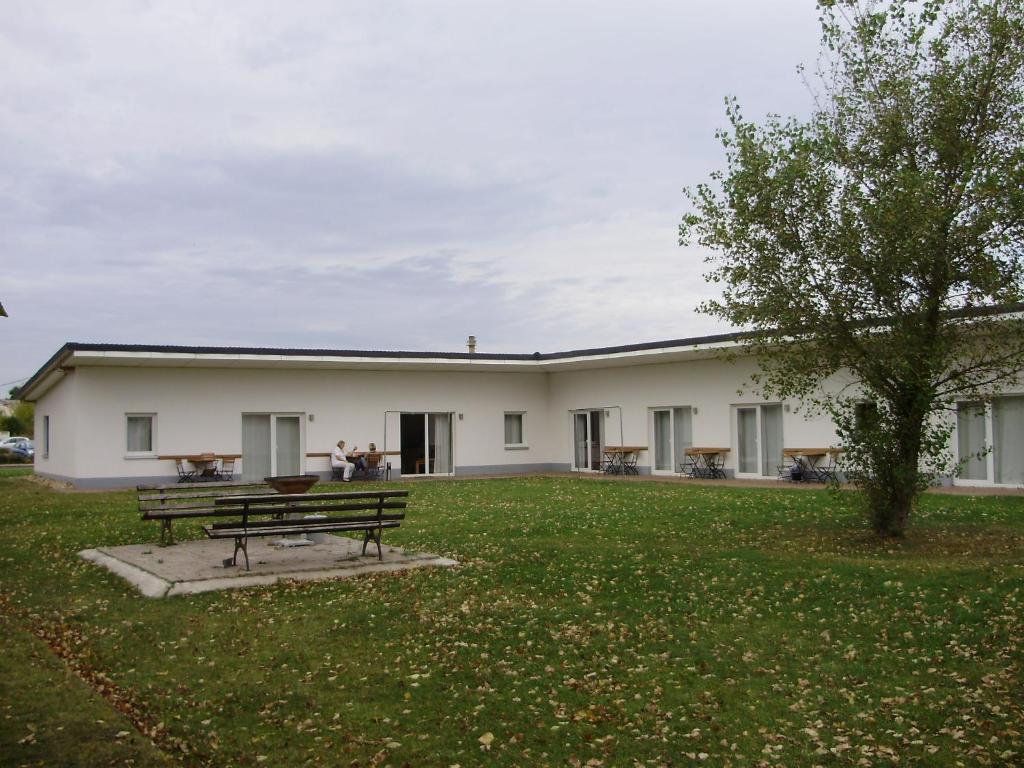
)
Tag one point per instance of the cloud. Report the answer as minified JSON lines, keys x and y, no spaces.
{"x":387,"y":174}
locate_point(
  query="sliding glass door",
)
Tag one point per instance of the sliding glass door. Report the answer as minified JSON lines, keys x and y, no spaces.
{"x":271,"y":445}
{"x":758,"y":440}
{"x":672,"y":436}
{"x":990,"y":442}
{"x":426,"y":443}
{"x":588,"y":439}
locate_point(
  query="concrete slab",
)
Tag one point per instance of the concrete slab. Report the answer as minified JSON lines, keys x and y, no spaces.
{"x":191,"y":567}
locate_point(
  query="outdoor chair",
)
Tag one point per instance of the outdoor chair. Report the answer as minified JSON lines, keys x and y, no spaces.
{"x":793,"y":472}
{"x":629,"y":464}
{"x":374,"y":466}
{"x":827,"y":472}
{"x":716,"y":466}
{"x":227,"y":469}
{"x":185,"y":474}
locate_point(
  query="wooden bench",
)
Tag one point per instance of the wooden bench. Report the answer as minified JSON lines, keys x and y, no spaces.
{"x":167,"y":503}
{"x":372,"y":522}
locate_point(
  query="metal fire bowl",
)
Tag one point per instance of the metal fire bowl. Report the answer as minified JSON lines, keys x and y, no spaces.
{"x":292,"y":483}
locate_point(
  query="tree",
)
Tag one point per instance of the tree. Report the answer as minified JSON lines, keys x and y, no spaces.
{"x":21,"y":421}
{"x":879,"y":243}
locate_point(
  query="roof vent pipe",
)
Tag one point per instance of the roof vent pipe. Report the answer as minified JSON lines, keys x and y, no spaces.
{"x":471,"y":344}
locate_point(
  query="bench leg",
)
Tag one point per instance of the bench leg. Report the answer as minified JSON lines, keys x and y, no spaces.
{"x":241,"y":543}
{"x":166,"y":535}
{"x":374,"y":534}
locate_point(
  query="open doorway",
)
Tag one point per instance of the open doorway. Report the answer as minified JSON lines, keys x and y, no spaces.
{"x":426,"y":440}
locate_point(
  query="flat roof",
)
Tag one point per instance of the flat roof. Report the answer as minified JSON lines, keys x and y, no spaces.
{"x":645,"y":353}
{"x":89,"y":353}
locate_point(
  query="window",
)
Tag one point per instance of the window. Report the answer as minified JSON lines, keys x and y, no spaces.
{"x":46,"y":437}
{"x":865,"y":415}
{"x":514,"y":430}
{"x":139,"y":432}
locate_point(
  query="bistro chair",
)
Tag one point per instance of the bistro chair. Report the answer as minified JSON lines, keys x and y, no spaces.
{"x":374,"y":466}
{"x":227,"y":469}
{"x":827,"y":473}
{"x":185,"y":474}
{"x":716,"y":466}
{"x":629,"y":463}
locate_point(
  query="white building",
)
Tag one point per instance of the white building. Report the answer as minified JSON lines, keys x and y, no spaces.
{"x":106,"y":412}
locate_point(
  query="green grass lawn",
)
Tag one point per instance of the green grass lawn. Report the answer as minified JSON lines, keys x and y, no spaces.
{"x":591,"y":622}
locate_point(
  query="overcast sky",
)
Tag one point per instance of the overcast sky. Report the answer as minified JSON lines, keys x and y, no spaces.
{"x":368,"y":175}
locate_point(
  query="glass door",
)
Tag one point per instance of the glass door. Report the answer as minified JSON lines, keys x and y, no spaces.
{"x":673,"y":429}
{"x":758,"y":440}
{"x":286,"y":452}
{"x":271,"y":445}
{"x":1008,"y":440}
{"x":588,"y":441}
{"x":255,"y":446}
{"x":426,"y":443}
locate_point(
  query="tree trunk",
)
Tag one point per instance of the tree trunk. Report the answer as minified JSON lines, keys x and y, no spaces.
{"x":897,"y":480}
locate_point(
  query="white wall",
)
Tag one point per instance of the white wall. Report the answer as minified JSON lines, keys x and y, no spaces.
{"x":200,"y":410}
{"x":61,"y":404}
{"x":712,"y":386}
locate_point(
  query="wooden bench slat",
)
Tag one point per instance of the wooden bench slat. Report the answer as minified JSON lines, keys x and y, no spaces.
{"x":306,"y":522}
{"x":305,"y":509}
{"x":205,"y":484}
{"x":147,"y":506}
{"x":246,"y":490}
{"x":182,"y":514}
{"x":230,"y":533}
{"x":285,"y":528}
{"x":265,"y":499}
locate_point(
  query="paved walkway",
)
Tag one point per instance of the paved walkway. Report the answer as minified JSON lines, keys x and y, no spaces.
{"x":199,"y":566}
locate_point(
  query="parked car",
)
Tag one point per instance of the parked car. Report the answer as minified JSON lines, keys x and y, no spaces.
{"x":20,"y":447}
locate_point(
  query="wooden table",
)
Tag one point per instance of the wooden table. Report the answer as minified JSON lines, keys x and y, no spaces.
{"x":621,"y":459}
{"x":705,"y":462}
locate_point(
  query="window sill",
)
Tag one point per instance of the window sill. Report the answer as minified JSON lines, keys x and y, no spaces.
{"x":140,"y":455}
{"x":517,"y":447}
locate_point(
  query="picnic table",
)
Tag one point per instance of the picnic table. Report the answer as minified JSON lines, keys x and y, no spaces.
{"x":701,"y":462}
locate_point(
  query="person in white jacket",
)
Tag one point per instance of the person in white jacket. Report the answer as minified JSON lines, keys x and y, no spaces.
{"x":339,"y":460}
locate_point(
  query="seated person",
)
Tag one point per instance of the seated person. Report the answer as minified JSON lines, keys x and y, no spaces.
{"x":339,"y":460}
